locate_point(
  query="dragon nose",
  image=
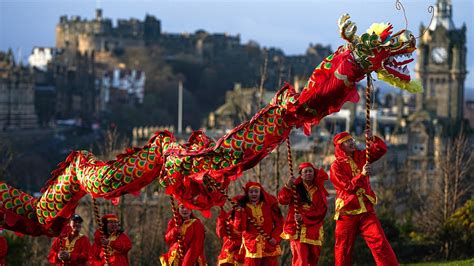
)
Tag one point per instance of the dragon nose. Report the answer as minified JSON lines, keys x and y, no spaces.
{"x":407,"y":36}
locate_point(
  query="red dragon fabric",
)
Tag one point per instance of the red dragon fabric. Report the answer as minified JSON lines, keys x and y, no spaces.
{"x":181,"y":167}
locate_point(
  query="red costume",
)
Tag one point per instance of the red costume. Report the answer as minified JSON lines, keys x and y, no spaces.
{"x":231,"y":254}
{"x":117,"y":249}
{"x":78,"y":248}
{"x":192,"y":235}
{"x":355,"y":204}
{"x":267,"y":214}
{"x":312,"y":206}
{"x":3,"y":250}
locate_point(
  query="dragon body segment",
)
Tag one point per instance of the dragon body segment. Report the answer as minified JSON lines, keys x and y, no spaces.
{"x":181,"y":168}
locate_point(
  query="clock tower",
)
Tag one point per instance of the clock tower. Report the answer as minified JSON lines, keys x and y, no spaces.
{"x":441,"y":67}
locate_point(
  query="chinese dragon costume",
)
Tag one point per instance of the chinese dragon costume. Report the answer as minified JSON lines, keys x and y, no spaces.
{"x":180,"y":168}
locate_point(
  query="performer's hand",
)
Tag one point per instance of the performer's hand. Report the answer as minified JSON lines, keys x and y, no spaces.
{"x":298,"y":217}
{"x":62,"y":255}
{"x":176,"y":231}
{"x":272,"y":241}
{"x":291,"y":182}
{"x":367,"y":169}
{"x":368,"y":133}
{"x":104,"y":241}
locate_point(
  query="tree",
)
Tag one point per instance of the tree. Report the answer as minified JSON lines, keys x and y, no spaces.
{"x":449,"y":191}
{"x":458,"y":231}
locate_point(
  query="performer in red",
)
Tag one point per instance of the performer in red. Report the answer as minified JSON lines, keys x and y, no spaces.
{"x":264,"y":210}
{"x":355,"y":200}
{"x":231,"y":254}
{"x":72,"y":247}
{"x":3,"y":249}
{"x":191,"y":232}
{"x":312,"y":206}
{"x":117,"y":243}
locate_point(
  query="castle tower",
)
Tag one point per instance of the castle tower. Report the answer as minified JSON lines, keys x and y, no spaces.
{"x":441,"y":67}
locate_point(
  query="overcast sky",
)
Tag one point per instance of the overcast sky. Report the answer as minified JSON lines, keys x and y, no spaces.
{"x":290,"y":25}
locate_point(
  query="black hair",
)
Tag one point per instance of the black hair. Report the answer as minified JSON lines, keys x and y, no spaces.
{"x":301,"y":190}
{"x":77,"y":218}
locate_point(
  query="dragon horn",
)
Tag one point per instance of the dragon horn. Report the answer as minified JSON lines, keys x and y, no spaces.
{"x":347,"y":28}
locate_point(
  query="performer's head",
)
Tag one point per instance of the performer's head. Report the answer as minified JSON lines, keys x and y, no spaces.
{"x":110,"y":224}
{"x":307,"y":172}
{"x":184,"y":212}
{"x":76,"y":224}
{"x":344,"y":143}
{"x":253,"y":191}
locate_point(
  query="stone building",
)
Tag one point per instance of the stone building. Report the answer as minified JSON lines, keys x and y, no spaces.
{"x":121,"y":86}
{"x":17,"y":107}
{"x":240,"y":105}
{"x":74,"y":77}
{"x":439,"y":115}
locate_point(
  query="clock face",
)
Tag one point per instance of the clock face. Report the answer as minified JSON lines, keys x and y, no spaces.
{"x":439,"y":54}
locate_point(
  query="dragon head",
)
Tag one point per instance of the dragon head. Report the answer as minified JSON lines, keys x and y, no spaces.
{"x":382,"y":51}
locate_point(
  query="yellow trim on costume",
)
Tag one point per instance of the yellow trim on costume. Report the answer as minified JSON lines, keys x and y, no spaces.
{"x":69,"y":245}
{"x":311,"y":190}
{"x":355,"y":169}
{"x":164,"y":262}
{"x":360,"y":197}
{"x":171,"y":259}
{"x":338,"y":206}
{"x":184,"y":227}
{"x":229,"y":259}
{"x":257,"y":212}
{"x":344,"y":139}
{"x":303,"y":238}
{"x":288,"y":236}
{"x":260,"y":247}
{"x":315,"y":242}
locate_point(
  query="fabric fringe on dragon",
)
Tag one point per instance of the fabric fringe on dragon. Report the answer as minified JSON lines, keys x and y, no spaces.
{"x":181,"y":168}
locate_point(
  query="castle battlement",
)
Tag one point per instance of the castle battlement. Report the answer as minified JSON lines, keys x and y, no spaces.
{"x":100,"y":35}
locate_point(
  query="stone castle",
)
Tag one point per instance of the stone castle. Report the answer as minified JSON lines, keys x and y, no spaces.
{"x":87,"y":50}
{"x":17,"y":101}
{"x":99,"y":36}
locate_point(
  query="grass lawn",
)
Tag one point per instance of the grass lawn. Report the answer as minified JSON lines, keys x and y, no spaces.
{"x":469,"y":262}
